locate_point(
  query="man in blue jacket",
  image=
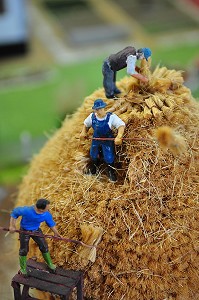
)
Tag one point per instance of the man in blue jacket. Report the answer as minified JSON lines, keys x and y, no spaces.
{"x":32,"y":217}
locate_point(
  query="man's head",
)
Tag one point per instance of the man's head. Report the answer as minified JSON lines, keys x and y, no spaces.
{"x":98,"y":107}
{"x":143,"y":53}
{"x":42,"y":204}
{"x":98,"y":104}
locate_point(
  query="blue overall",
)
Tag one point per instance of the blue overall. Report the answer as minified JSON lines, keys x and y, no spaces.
{"x":101,"y":129}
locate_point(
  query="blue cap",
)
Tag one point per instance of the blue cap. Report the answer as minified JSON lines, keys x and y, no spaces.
{"x":147,"y":53}
{"x":99,"y":103}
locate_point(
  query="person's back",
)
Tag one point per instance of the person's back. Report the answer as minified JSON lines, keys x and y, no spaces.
{"x":118,"y":60}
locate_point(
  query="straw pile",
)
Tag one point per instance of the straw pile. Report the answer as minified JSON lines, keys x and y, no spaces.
{"x":149,"y":247}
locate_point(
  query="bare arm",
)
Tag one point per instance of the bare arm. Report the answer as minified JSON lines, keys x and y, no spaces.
{"x":12,"y":226}
{"x":83,"y":134}
{"x":54,"y":229}
{"x":118,"y":139}
{"x":140,"y":77}
{"x":132,"y":68}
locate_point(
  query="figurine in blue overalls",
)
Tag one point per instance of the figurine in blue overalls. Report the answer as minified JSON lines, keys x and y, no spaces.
{"x":102,"y":124}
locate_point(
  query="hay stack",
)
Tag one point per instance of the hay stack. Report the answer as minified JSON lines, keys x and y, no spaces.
{"x":149,"y":249}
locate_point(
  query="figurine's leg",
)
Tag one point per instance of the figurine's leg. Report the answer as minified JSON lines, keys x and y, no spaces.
{"x":111,"y":173}
{"x":108,"y":81}
{"x":93,"y":167}
{"x":116,"y":90}
{"x":94,"y":153}
{"x":109,"y":156}
{"x":43,"y":247}
{"x":100,"y":155}
{"x":48,"y":260}
{"x":23,"y":251}
{"x":23,"y":265}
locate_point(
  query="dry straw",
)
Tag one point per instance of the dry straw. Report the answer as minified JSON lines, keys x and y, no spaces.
{"x":148,"y":221}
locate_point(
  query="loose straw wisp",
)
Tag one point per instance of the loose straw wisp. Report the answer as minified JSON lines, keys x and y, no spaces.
{"x":169,"y":139}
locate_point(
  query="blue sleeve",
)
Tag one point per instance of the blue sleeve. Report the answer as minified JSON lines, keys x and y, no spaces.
{"x":17,"y":212}
{"x":49,"y":220}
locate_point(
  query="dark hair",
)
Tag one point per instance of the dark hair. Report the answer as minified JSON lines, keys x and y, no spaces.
{"x":42,"y":203}
{"x":140,"y":51}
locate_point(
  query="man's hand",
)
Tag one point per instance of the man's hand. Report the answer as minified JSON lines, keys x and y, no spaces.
{"x":83,"y":134}
{"x":118,"y":140}
{"x":55,"y":231}
{"x":144,"y":79}
{"x":82,"y":137}
{"x":140,"y":77}
{"x":12,"y":229}
{"x":12,"y":226}
{"x":58,"y":236}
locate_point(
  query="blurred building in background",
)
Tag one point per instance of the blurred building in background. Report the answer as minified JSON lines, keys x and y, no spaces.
{"x":65,"y":27}
{"x":13,"y":27}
